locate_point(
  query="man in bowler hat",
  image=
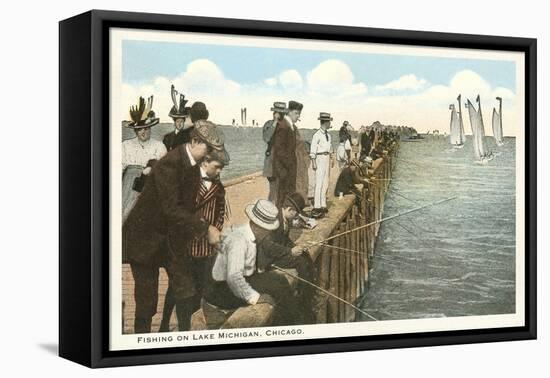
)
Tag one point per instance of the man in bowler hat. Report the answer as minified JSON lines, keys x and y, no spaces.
{"x":279,"y":111}
{"x":284,"y":153}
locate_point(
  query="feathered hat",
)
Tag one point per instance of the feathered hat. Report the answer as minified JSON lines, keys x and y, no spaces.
{"x":178,"y":109}
{"x":141,"y":115}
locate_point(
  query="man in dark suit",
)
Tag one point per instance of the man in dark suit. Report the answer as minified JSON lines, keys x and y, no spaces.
{"x":365,"y":143}
{"x":203,"y":179}
{"x":164,"y":219}
{"x":284,"y":153}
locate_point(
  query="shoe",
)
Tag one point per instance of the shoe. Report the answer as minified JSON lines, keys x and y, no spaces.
{"x":324,"y":210}
{"x":317,"y":214}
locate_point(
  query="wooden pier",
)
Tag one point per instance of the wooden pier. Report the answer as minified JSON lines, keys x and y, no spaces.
{"x":342,"y":265}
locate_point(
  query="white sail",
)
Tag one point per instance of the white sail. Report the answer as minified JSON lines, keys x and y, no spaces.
{"x":462,"y":133}
{"x":497,"y":124}
{"x":456,"y":138}
{"x":482,"y":144}
{"x":478,"y":130}
{"x":472,"y":113}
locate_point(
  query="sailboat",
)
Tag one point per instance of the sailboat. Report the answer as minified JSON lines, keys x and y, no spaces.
{"x":462,"y":133}
{"x":457,"y":126}
{"x":497,"y":123}
{"x":478,"y":132}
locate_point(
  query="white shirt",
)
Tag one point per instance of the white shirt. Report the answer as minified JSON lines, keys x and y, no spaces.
{"x":193,"y":162}
{"x":237,"y":260}
{"x":135,"y":152}
{"x":319,"y":143}
{"x":289,"y":120}
{"x":347,"y":145}
{"x":341,"y":152}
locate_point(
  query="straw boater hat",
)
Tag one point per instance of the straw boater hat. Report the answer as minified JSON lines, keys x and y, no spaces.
{"x":324,"y":117}
{"x":264,"y":214}
{"x":279,"y":106}
{"x":141,"y":115}
{"x":179,"y":110}
{"x":210,"y":134}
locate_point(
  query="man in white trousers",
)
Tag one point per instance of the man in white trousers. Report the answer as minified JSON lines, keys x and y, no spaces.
{"x":321,"y":148}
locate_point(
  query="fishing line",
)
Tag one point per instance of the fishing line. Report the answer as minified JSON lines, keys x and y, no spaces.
{"x":385,"y":219}
{"x":324,"y":291}
{"x":375,"y":256}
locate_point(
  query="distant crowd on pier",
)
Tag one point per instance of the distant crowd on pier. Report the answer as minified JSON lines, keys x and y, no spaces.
{"x":174,"y":210}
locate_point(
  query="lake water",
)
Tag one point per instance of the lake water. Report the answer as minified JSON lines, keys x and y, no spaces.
{"x":454,"y":259}
{"x":245,"y":146}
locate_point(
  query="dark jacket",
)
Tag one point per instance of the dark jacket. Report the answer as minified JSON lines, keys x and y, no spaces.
{"x":275,"y":248}
{"x":172,"y":140}
{"x":284,"y":159}
{"x":165,"y":212}
{"x":346,"y":182}
{"x":365,"y":144}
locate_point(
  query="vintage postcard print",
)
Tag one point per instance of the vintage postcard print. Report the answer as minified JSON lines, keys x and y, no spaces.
{"x":267,"y":189}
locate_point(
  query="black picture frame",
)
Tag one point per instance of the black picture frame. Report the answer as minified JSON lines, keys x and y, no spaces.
{"x":84,"y":192}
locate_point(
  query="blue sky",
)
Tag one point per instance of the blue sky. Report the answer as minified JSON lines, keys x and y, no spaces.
{"x":355,"y":86}
{"x":144,"y":60}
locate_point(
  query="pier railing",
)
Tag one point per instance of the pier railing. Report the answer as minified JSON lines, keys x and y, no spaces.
{"x":343,"y":262}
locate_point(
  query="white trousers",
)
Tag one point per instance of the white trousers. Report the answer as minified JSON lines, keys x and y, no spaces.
{"x":321,"y":181}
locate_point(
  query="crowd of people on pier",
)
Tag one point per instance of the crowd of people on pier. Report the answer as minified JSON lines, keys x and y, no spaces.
{"x":174,"y":209}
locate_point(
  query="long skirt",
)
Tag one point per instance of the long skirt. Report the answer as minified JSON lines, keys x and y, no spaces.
{"x":129,"y":195}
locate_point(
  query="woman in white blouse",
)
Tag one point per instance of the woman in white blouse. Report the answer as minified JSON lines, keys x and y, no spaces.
{"x":139,"y":154}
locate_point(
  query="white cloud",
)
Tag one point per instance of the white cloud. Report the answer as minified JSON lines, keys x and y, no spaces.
{"x":328,"y":87}
{"x":291,"y":80}
{"x":428,"y":109}
{"x":405,"y":82}
{"x":201,"y":79}
{"x":334,"y":78}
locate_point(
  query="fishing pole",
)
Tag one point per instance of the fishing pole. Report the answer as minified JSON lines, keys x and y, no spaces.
{"x":344,"y":249}
{"x":324,"y":291}
{"x":384,"y":219}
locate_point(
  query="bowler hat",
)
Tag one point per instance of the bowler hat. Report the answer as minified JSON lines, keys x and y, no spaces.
{"x":264,"y":214}
{"x":198,"y":111}
{"x":296,"y":201}
{"x":295,"y":105}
